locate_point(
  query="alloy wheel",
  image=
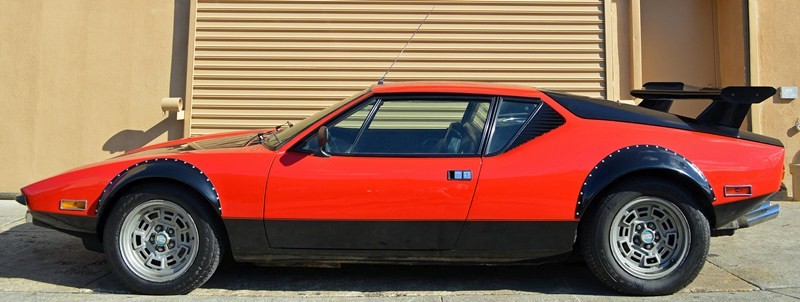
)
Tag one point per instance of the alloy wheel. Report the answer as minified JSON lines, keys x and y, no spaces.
{"x":158,"y":240}
{"x":649,"y":237}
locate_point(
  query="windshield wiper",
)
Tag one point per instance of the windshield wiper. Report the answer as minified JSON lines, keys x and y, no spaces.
{"x":274,"y":134}
{"x":287,"y":123}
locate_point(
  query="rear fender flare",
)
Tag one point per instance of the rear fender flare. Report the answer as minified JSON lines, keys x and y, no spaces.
{"x":636,"y":158}
{"x":163,"y":168}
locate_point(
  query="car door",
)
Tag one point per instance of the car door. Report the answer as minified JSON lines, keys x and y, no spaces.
{"x":519,"y":203}
{"x":401,"y":174}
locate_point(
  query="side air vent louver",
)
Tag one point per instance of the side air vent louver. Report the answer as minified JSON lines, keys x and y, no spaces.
{"x":545,"y":120}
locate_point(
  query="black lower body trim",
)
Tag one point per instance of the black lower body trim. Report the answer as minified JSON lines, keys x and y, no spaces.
{"x":725,"y":213}
{"x":302,"y":241}
{"x":80,"y":226}
{"x":363,"y":235}
{"x":247,"y":238}
{"x":518,"y":235}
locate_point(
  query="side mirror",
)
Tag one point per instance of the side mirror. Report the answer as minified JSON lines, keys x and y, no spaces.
{"x":322,"y":141}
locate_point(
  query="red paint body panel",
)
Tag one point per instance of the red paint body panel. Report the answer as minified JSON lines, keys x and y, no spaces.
{"x":239,"y":175}
{"x":541,"y":180}
{"x":304,"y":186}
{"x":537,"y":181}
{"x":86,"y":183}
{"x":528,"y":184}
{"x":458,"y":87}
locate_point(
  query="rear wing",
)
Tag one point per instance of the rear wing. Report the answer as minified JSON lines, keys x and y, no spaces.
{"x":729,"y":105}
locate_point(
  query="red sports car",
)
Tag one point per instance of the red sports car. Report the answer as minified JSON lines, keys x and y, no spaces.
{"x":434,"y":173}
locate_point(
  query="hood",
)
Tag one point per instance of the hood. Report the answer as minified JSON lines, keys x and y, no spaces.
{"x":228,"y":140}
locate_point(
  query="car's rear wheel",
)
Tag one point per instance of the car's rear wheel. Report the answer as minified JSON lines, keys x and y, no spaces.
{"x":159,"y":241}
{"x":645,"y":237}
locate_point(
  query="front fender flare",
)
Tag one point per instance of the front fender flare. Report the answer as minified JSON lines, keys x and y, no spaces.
{"x":169,"y":168}
{"x":636,"y":158}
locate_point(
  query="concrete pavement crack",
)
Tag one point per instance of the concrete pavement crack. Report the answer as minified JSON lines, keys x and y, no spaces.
{"x":782,"y":294}
{"x":735,"y":275}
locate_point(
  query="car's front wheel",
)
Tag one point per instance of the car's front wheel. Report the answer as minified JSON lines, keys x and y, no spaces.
{"x":159,"y":241}
{"x":646,"y":237}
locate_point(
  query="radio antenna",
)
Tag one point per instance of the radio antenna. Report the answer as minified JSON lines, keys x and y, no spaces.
{"x":380,"y":81}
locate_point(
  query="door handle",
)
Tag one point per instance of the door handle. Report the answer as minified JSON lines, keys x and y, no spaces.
{"x":459,"y":175}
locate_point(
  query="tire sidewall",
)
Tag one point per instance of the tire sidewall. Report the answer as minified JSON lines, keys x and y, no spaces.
{"x":203,"y":265}
{"x":610,"y":271}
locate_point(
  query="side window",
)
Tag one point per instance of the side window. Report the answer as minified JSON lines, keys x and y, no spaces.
{"x":342,"y":133}
{"x":511,"y":117}
{"x":420,"y":126}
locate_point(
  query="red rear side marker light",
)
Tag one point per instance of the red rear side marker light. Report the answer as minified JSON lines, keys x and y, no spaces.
{"x":740,"y":190}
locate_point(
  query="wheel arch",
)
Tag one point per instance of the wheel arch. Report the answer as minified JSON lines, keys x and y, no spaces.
{"x":172,"y":172}
{"x":645,"y":161}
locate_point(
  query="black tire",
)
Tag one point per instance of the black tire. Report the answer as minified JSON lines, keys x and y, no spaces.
{"x":612,"y":260}
{"x":195,"y":268}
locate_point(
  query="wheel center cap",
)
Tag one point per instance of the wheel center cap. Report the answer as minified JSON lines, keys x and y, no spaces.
{"x":648,"y":236}
{"x":161,"y":239}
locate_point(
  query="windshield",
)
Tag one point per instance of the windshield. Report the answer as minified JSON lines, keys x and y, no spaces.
{"x":284,"y":134}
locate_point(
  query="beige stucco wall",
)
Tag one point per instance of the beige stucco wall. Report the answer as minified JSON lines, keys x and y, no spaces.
{"x":732,"y":42}
{"x":732,"y":45}
{"x":678,"y":45}
{"x":778,"y":44}
{"x":81,"y":80}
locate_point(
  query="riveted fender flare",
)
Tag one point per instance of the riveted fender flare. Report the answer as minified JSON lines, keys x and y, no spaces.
{"x":168,"y":168}
{"x":637,"y":158}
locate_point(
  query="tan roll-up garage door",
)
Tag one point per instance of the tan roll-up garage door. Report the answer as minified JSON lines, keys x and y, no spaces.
{"x":255,"y":64}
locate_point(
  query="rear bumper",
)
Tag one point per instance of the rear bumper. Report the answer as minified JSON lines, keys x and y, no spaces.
{"x":727,"y":213}
{"x":766,"y":211}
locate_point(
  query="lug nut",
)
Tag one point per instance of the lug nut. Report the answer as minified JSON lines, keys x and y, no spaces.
{"x":159,"y":228}
{"x":170,"y":231}
{"x":651,"y":225}
{"x":152,"y":239}
{"x":639,"y":227}
{"x":171,"y":244}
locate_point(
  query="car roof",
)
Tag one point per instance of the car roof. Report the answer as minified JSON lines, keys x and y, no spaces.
{"x":455,"y":87}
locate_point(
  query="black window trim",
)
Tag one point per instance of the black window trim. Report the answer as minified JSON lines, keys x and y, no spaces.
{"x":365,"y":124}
{"x":488,"y":128}
{"x":505,"y":148}
{"x":298,"y":146}
{"x":379,"y":98}
{"x":289,"y":139}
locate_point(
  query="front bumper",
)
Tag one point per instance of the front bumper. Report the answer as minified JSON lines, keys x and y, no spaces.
{"x":21,"y":199}
{"x":81,"y":226}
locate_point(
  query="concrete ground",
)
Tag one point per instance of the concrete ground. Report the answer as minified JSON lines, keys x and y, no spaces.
{"x":757,"y":264}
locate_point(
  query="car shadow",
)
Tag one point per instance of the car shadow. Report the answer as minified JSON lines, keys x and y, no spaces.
{"x":47,"y":260}
{"x":412,"y":279}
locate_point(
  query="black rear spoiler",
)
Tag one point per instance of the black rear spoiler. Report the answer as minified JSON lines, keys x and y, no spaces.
{"x":729,"y":105}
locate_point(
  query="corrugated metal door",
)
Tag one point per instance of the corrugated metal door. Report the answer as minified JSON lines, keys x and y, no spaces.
{"x":260,"y":63}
